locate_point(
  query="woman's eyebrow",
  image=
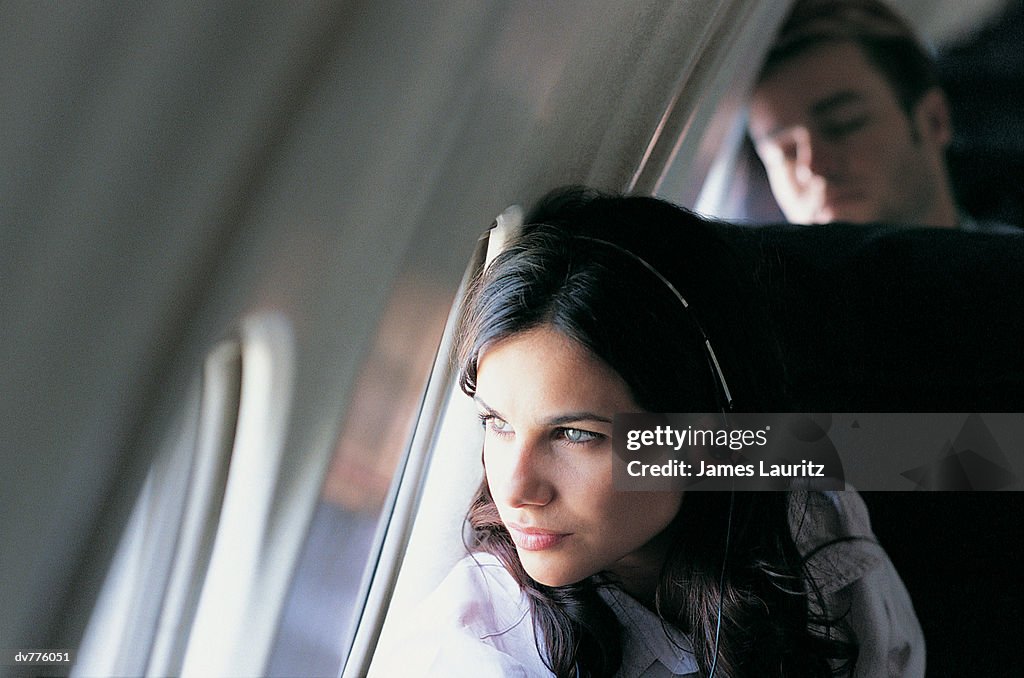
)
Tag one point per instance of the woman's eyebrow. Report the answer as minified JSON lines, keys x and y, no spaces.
{"x":561,"y":419}
{"x":577,"y":416}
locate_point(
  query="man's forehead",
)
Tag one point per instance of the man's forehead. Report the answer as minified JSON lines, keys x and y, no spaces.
{"x":818,"y":81}
{"x":837,"y":101}
{"x":819,"y":57}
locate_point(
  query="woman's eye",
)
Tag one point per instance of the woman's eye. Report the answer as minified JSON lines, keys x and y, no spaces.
{"x":495,"y":425}
{"x":577,"y":436}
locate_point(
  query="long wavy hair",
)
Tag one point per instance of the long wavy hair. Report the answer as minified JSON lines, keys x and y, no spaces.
{"x":563,"y":272}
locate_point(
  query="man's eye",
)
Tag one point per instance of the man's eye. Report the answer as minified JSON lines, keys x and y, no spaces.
{"x":787,"y":152}
{"x":840,"y":128}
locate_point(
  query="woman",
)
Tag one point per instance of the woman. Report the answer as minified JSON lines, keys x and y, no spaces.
{"x":571,"y":324}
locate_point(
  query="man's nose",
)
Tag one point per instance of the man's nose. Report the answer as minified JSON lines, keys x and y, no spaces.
{"x":816,"y":157}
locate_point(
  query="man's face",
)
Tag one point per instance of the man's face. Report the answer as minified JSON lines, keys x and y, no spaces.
{"x":838,"y":146}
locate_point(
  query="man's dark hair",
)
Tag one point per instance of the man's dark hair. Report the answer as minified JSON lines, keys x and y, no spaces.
{"x":885,"y":38}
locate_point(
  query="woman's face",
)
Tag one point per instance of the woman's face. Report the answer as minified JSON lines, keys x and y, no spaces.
{"x":547,"y":406}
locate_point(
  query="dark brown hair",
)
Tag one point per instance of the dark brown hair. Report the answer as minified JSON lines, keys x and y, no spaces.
{"x":562,"y":272}
{"x":885,"y":38}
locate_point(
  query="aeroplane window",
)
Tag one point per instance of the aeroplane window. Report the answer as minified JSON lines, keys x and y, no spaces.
{"x":443,"y":471}
{"x":191,"y":551}
{"x":702,"y":120}
{"x":374,"y":477}
{"x":124,"y":625}
{"x":324,"y":601}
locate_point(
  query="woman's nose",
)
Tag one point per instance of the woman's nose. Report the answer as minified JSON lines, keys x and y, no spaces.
{"x":526,"y":481}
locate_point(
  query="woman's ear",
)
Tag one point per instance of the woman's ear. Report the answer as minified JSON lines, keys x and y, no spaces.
{"x":931,"y":119}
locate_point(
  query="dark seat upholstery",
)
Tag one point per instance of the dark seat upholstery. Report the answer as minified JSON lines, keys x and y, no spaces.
{"x":881,"y":319}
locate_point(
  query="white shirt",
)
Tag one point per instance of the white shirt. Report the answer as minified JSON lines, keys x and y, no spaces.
{"x":477,"y":623}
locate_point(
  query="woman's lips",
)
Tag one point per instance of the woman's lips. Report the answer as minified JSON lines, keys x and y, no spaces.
{"x":534,"y":539}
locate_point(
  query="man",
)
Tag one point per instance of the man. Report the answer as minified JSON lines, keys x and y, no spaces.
{"x":850,"y":121}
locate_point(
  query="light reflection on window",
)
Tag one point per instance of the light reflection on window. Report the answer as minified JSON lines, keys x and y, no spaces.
{"x":323,"y":603}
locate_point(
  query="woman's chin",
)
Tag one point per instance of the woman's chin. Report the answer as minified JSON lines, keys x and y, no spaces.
{"x":550,"y":576}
